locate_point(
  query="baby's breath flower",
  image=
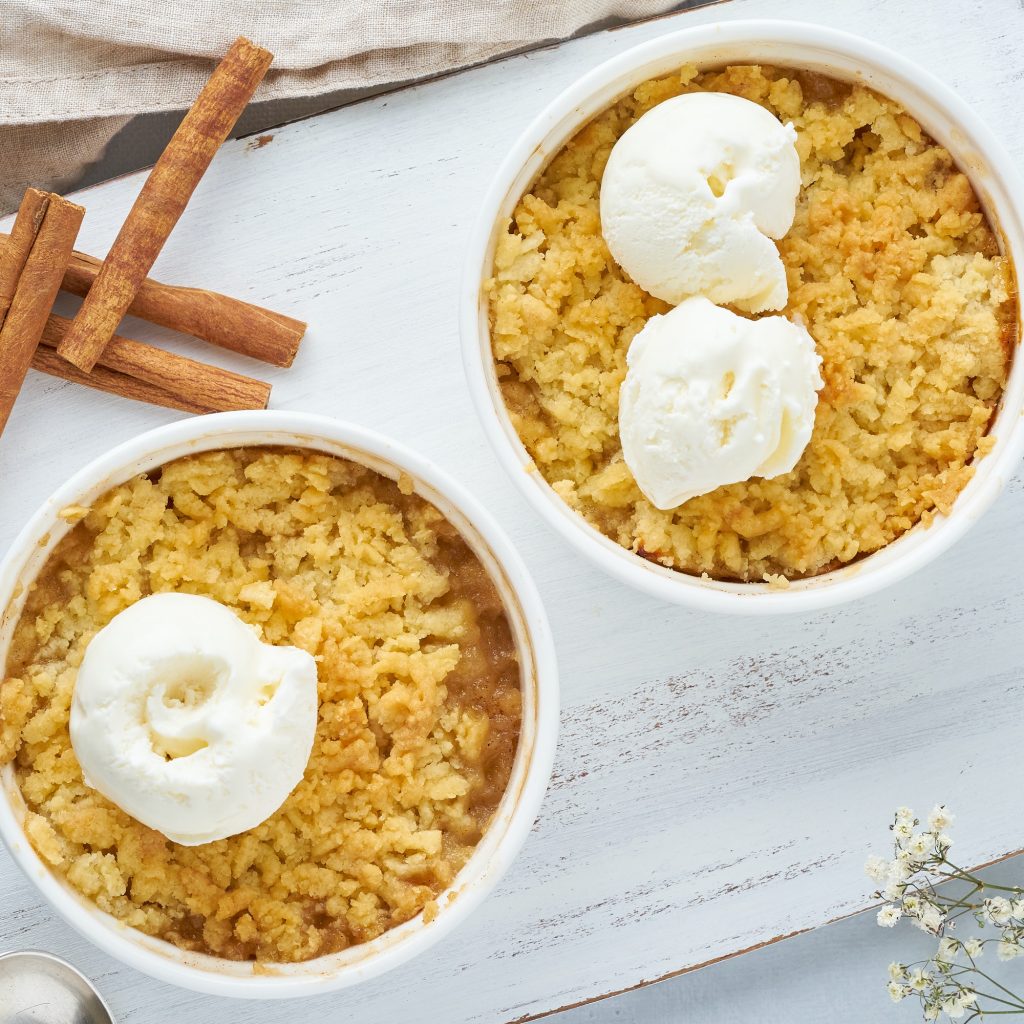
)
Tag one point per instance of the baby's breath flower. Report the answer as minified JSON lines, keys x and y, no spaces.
{"x":894,"y":893}
{"x":897,"y":991}
{"x":889,"y":915}
{"x":919,"y":979}
{"x":901,"y":868}
{"x":877,"y":869}
{"x":909,"y":888}
{"x":920,"y":847}
{"x":904,"y":816}
{"x":940,"y":819}
{"x":931,"y":918}
{"x":953,"y":1008}
{"x":1006,"y":950}
{"x":997,"y":910}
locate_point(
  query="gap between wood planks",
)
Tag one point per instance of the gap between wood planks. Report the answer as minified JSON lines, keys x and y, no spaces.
{"x":647,"y":982}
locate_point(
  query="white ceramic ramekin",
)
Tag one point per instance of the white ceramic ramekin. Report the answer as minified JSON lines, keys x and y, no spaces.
{"x":788,"y":44}
{"x":530,"y":773}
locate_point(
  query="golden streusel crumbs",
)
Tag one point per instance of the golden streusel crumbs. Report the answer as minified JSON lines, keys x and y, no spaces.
{"x":891,"y":265}
{"x":418,"y":685}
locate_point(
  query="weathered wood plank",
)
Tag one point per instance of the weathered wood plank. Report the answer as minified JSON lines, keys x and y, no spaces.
{"x":718,"y":780}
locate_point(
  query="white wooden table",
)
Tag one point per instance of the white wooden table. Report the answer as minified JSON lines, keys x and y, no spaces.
{"x":719,"y":781}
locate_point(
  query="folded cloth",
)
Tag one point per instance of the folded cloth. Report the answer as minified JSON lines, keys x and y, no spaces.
{"x":72,"y":74}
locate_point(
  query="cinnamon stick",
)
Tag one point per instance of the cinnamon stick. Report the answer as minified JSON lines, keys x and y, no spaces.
{"x":47,"y":361}
{"x":14,"y":254}
{"x":229,"y":323}
{"x":219,"y":319}
{"x":162,"y":200}
{"x":146,"y":373}
{"x":36,"y":289}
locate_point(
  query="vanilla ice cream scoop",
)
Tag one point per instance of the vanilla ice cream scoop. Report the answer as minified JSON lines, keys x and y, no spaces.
{"x":711,"y":398}
{"x":692,"y":196}
{"x":187,"y":722}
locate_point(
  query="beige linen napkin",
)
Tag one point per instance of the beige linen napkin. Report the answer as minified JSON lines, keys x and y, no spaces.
{"x":73,"y":73}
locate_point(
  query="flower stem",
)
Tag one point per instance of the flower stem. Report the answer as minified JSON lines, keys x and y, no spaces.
{"x":979,"y":883}
{"x":1012,"y":995}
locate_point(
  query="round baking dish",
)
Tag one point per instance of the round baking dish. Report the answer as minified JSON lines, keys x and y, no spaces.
{"x":789,"y":44}
{"x":530,"y":772}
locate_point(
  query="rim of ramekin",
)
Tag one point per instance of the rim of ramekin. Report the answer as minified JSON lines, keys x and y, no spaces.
{"x":801,"y":45}
{"x":531,"y":771}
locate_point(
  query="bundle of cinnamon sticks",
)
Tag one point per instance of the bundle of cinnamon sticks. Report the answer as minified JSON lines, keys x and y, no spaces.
{"x":37,"y":259}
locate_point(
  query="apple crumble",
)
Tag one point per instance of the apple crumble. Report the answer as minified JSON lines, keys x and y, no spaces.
{"x":891,"y":265}
{"x":419,"y":700}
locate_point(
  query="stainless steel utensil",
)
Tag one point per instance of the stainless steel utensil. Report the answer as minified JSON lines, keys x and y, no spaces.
{"x":40,"y":988}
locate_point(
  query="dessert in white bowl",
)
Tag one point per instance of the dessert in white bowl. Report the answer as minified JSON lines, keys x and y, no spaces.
{"x":417,"y":701}
{"x":188,"y":958}
{"x":892,"y":267}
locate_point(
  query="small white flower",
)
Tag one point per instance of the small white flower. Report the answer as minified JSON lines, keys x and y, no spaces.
{"x":889,"y":915}
{"x":947,"y":951}
{"x":901,"y":868}
{"x":953,"y":1008}
{"x":1008,"y":950}
{"x":968,"y":996}
{"x":997,"y":910}
{"x":931,"y":918}
{"x":974,"y":948}
{"x":931,"y":1011}
{"x":897,"y":991}
{"x":877,"y":869}
{"x":897,"y":972}
{"x":940,"y":819}
{"x":904,"y":816}
{"x":919,"y":980}
{"x":911,"y":905}
{"x":903,"y":829}
{"x":1017,"y":909}
{"x":893,"y":893}
{"x":943,"y":842}
{"x":920,"y":847}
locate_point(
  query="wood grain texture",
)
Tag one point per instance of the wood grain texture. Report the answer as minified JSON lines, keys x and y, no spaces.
{"x":719,"y":782}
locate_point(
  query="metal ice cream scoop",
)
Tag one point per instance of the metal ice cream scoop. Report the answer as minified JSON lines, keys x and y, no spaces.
{"x":40,"y":988}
